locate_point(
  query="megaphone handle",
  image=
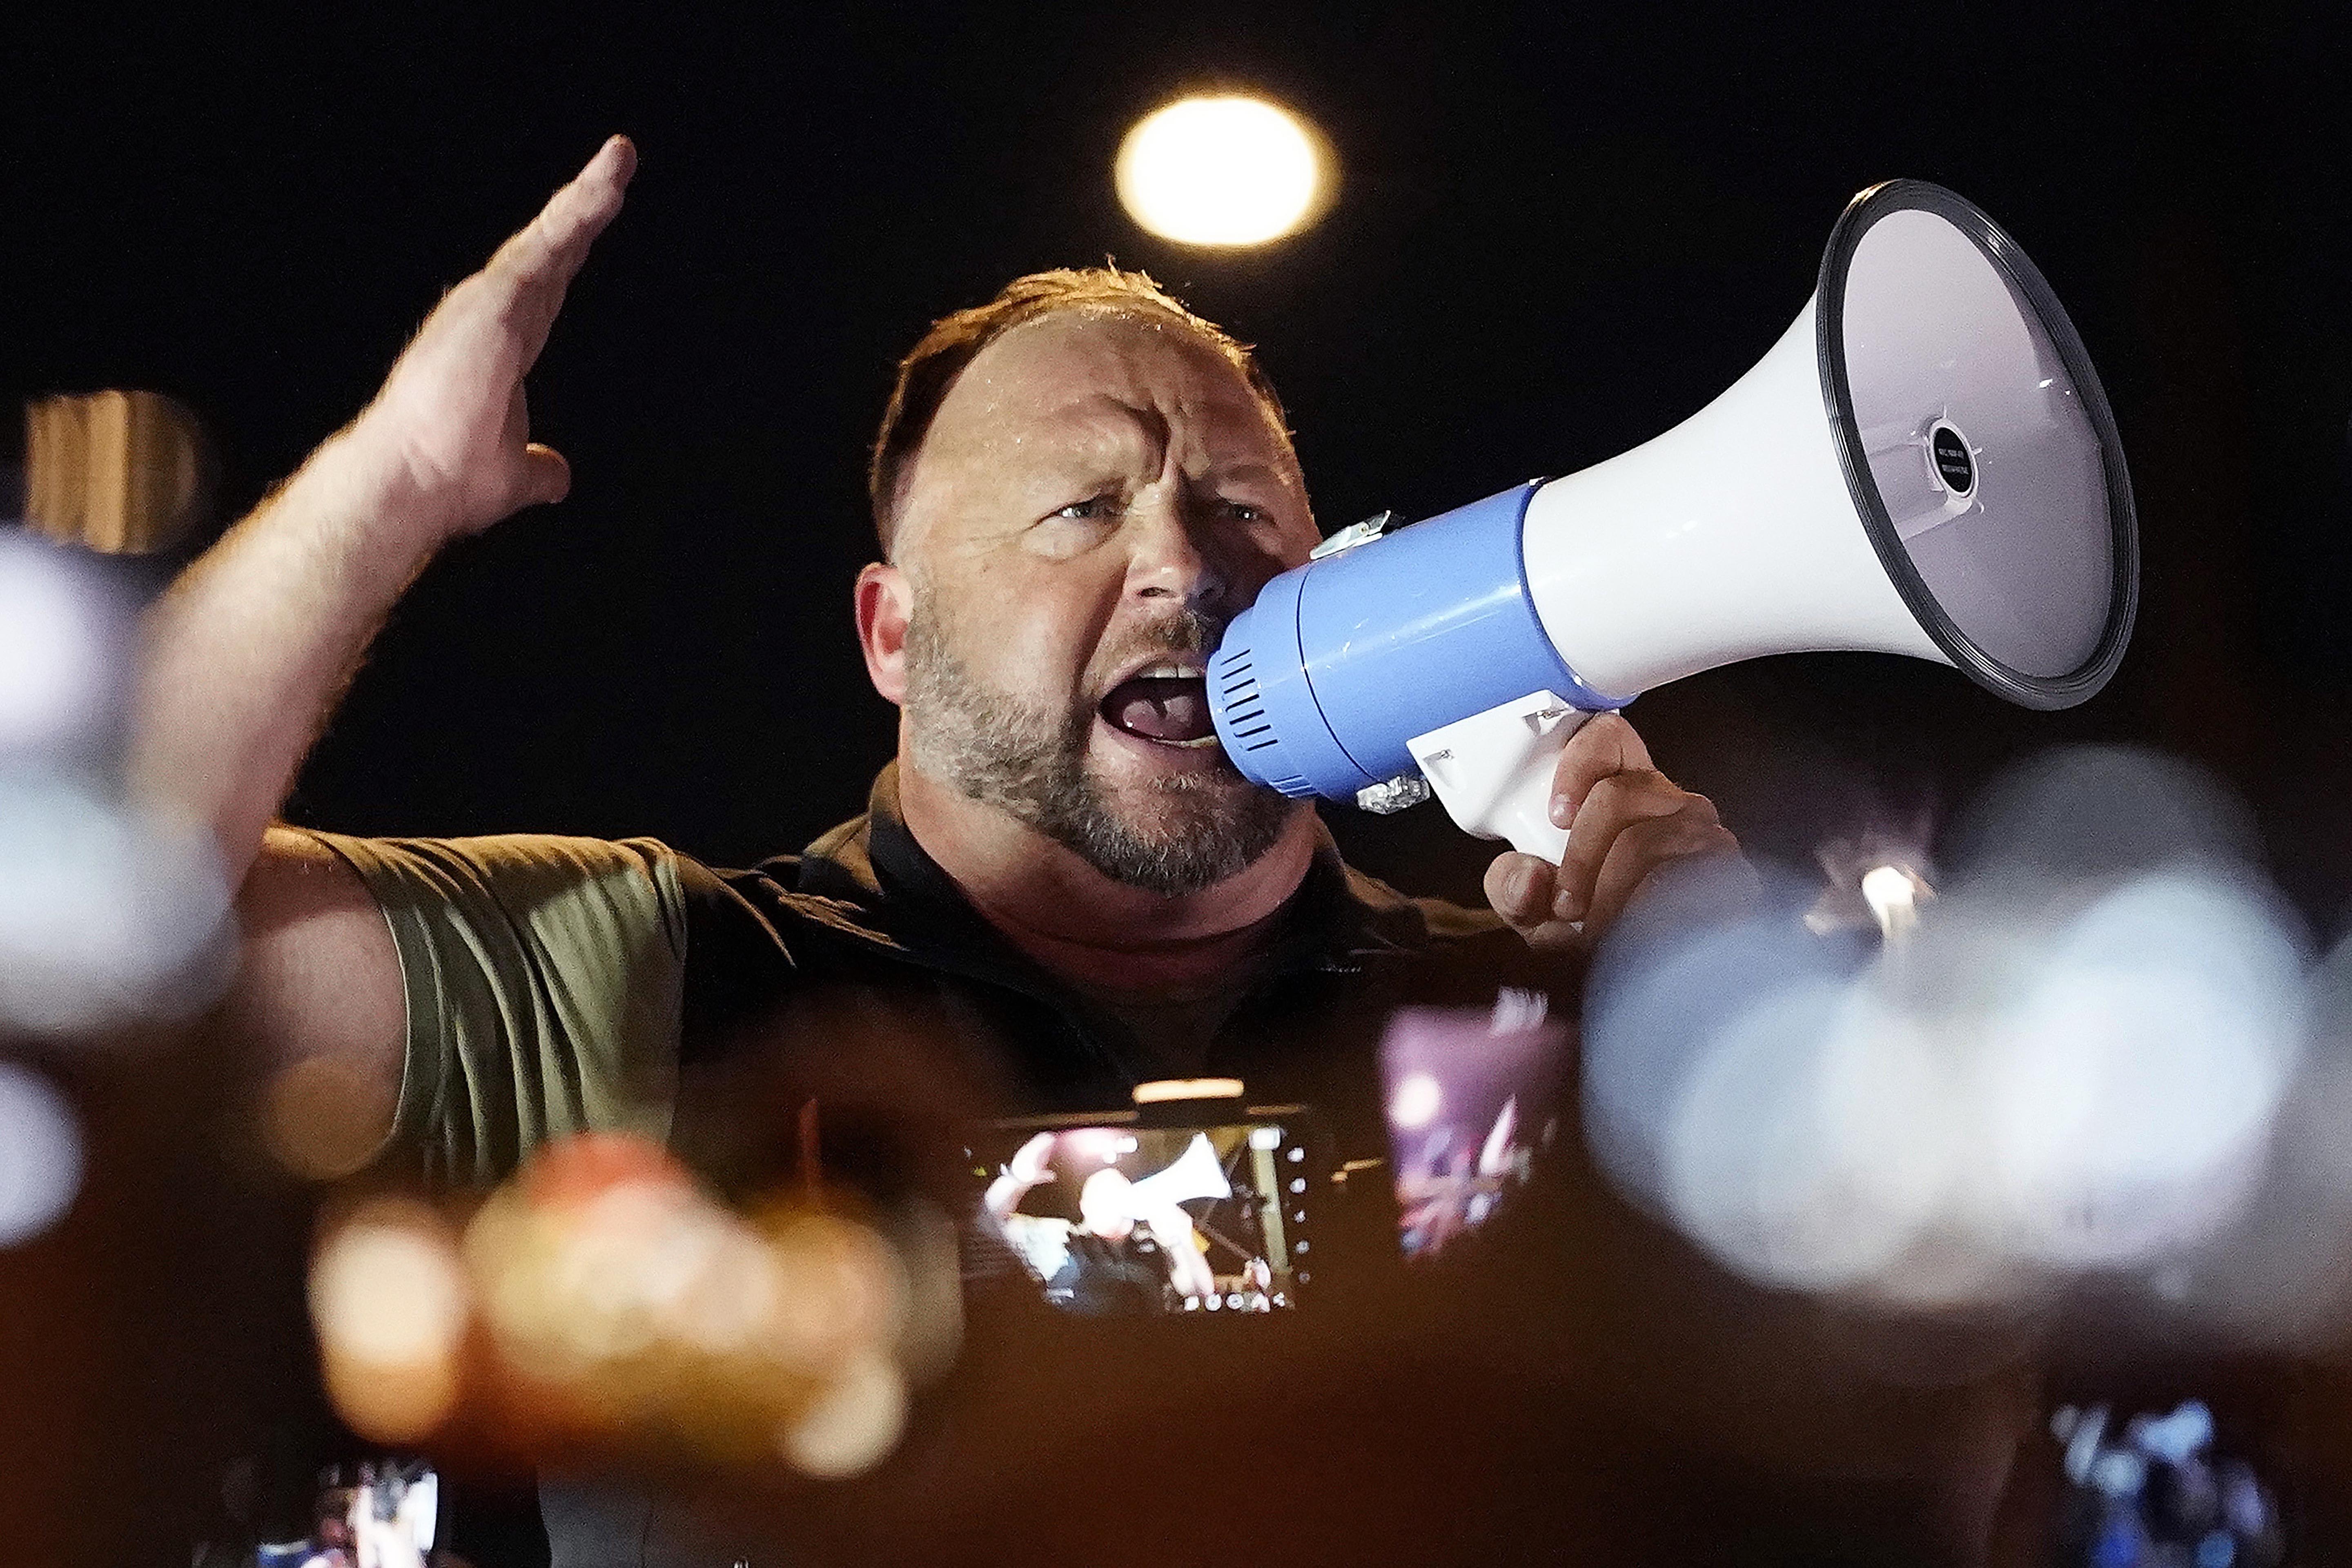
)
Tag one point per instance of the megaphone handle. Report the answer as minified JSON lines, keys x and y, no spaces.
{"x":1494,"y":770}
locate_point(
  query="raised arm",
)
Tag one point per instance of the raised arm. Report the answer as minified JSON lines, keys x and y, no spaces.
{"x":1028,"y":1168}
{"x":249,"y":651}
{"x":246,"y":654}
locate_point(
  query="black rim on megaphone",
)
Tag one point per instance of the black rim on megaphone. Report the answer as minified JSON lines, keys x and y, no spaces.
{"x":2031,"y":690}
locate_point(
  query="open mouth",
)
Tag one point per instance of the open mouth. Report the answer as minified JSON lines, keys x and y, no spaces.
{"x":1166,"y":703}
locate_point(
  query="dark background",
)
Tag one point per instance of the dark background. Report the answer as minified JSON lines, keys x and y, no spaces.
{"x":1562,"y":228}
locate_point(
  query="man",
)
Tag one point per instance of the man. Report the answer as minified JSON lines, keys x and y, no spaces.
{"x":1076,"y":487}
{"x":1121,"y":1255}
{"x":1061,"y":889}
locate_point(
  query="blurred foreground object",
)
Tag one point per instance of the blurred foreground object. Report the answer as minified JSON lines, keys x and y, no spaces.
{"x":2095,"y":1057}
{"x":126,"y":473}
{"x":2154,"y":1492}
{"x":108,"y":913}
{"x":40,"y":1155}
{"x":602,"y":1301}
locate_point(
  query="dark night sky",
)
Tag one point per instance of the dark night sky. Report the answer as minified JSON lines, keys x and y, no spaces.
{"x":1562,"y":228}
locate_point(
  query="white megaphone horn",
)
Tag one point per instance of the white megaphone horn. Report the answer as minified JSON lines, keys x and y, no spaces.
{"x":1196,"y":1173}
{"x":1924,"y":463}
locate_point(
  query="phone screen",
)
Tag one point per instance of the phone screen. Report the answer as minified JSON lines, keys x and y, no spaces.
{"x":1471,"y":1096}
{"x":2159,"y":1488}
{"x":1128,"y":1215}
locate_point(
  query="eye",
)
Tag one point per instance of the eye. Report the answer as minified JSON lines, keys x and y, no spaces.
{"x":1093,"y":509}
{"x":1244,"y":512}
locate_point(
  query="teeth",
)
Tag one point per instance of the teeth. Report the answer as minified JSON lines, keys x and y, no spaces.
{"x":1169,"y":671}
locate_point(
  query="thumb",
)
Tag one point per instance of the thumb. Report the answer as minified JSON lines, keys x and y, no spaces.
{"x":546,"y":477}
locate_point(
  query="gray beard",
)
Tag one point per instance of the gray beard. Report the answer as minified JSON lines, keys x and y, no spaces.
{"x":1197,"y":830}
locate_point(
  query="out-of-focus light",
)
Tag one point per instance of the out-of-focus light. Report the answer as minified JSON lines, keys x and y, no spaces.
{"x":1811,"y":1145}
{"x":61,"y":648}
{"x":312,"y":1119}
{"x":624,"y":1305}
{"x":852,"y":1425}
{"x":847,"y":1290}
{"x":2089,"y":1053}
{"x":40,"y":1155}
{"x":389,"y":1302}
{"x":1415,"y":1101}
{"x":1163,"y":1092}
{"x":1223,"y":170}
{"x":1892,"y":897}
{"x":105,"y":914}
{"x":2132,"y":1083}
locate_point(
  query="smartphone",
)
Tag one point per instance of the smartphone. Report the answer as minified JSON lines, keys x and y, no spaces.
{"x":1473,"y":1105}
{"x":2159,"y":1488}
{"x":1202,"y":1208}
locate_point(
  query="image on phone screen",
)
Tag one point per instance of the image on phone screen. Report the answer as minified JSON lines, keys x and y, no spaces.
{"x":1123,"y":1217}
{"x":1471,"y":1095}
{"x":2159,"y":1488}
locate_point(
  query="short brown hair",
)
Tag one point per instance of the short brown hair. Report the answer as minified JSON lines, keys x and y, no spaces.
{"x":931,"y":366}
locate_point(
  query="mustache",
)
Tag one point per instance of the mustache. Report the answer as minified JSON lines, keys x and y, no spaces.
{"x":1179,"y":632}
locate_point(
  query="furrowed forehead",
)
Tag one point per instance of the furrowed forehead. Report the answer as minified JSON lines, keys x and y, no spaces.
{"x":1077,"y":376}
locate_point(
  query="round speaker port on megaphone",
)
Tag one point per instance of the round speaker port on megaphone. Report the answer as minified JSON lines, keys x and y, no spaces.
{"x":1950,"y":456}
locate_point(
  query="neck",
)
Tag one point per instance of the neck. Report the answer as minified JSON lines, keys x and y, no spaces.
{"x":1083,"y":926}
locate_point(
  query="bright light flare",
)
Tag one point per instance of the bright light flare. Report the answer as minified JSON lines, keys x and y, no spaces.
{"x":1416,"y":1102}
{"x":1222,"y":171}
{"x":2085,"y":1057}
{"x":604,"y":1298}
{"x":853,"y":1423}
{"x":63,"y":646}
{"x":390,"y":1302}
{"x":105,"y":914}
{"x":40,"y":1155}
{"x":634,"y":1302}
{"x":1893,"y":895}
{"x":2131,"y":1086}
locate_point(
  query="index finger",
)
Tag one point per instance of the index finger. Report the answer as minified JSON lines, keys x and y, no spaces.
{"x":1604,"y":745}
{"x":549,"y":250}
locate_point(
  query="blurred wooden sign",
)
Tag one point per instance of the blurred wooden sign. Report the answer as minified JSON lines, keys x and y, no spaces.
{"x":122,"y":472}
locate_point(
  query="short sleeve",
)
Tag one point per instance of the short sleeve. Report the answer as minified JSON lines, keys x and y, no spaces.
{"x":544,"y":979}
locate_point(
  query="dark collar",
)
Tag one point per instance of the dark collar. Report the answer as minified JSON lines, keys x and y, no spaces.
{"x":893,"y":888}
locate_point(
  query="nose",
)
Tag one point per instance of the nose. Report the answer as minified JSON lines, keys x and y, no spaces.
{"x":1175,"y":557}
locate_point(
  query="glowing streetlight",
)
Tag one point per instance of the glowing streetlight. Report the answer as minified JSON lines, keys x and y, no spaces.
{"x":1225,"y":170}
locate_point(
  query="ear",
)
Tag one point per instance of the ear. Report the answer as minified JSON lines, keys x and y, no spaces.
{"x":885,"y":602}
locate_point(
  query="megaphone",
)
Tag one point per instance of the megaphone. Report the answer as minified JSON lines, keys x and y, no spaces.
{"x":1924,"y":463}
{"x":1196,"y":1173}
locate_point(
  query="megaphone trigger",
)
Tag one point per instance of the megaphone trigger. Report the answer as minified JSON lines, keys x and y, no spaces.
{"x":1494,"y":770}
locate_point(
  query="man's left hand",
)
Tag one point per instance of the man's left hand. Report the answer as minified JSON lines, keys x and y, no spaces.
{"x":1625,"y":819}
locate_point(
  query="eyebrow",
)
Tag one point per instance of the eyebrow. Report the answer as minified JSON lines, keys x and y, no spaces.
{"x":1253,"y":471}
{"x":1126,"y":421}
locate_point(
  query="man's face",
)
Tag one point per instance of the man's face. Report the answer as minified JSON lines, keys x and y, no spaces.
{"x":1106,"y":1205}
{"x":1099,"y":493}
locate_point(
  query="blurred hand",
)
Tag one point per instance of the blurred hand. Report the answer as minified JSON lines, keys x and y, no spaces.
{"x":1625,"y":819}
{"x":1028,"y":1166}
{"x":449,"y":434}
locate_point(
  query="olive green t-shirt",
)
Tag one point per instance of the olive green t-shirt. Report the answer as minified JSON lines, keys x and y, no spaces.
{"x":544,"y":980}
{"x":549,"y":990}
